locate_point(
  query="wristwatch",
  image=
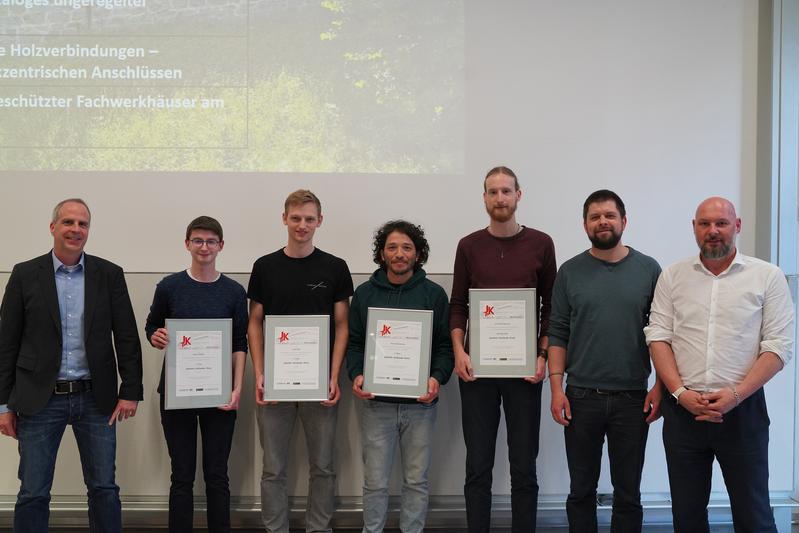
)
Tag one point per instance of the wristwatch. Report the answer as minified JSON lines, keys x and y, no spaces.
{"x":543,"y":352}
{"x":676,"y":393}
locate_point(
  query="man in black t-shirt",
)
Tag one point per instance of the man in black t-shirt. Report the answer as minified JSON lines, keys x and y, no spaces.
{"x":299,"y":279}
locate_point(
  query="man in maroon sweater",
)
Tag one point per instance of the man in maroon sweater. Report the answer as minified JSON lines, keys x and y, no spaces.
{"x":503,"y":255}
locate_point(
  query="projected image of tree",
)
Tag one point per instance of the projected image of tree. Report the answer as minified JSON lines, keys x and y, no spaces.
{"x":353,"y":86}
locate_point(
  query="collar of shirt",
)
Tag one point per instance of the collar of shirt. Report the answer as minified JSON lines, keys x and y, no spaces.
{"x":58,"y":264}
{"x":737,"y":260}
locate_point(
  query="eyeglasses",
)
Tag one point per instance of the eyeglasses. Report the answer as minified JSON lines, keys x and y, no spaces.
{"x":210,"y":243}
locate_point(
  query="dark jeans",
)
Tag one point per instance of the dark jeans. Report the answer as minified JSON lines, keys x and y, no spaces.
{"x":39,"y":438}
{"x":620,"y":416}
{"x":739,"y":444}
{"x":216,"y":430}
{"x":480,"y":402}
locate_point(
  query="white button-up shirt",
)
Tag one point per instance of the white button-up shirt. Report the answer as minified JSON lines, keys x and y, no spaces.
{"x":719,"y":325}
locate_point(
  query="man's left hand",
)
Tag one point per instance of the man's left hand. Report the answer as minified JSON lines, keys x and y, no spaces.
{"x":432,"y":391}
{"x":8,"y":424}
{"x":233,"y":404}
{"x":719,"y":403}
{"x":540,"y":366}
{"x":334,"y":394}
{"x":652,"y":403}
{"x":125,"y":409}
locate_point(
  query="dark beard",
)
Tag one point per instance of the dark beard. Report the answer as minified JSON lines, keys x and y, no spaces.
{"x":606,"y":244}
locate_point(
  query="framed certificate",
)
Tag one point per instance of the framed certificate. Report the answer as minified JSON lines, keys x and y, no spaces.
{"x":296,"y":358}
{"x":198,"y":367}
{"x":397,"y":358}
{"x":503,"y":340}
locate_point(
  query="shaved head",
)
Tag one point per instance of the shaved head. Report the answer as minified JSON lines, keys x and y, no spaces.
{"x":716,"y":202}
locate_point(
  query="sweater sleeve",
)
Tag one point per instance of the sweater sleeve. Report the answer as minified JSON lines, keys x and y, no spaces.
{"x":546,"y":280}
{"x":442,"y":359}
{"x":357,"y":339}
{"x":459,"y":302}
{"x":560,"y":319}
{"x":240,"y":320}
{"x":159,"y":310}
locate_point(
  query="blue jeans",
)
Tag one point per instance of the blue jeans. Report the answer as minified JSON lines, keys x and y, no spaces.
{"x":276,"y":424}
{"x":180,"y":432}
{"x":619,"y":415}
{"x":39,"y":438}
{"x":383,"y":424}
{"x":739,"y":444}
{"x":480,"y":402}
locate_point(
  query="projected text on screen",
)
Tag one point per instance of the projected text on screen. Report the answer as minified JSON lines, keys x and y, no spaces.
{"x":355,"y":86}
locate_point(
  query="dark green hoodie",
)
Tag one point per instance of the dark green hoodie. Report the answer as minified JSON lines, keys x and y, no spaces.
{"x":417,"y":293}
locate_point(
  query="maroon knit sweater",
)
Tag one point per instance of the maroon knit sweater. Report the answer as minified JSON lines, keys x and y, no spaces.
{"x":483,"y":261}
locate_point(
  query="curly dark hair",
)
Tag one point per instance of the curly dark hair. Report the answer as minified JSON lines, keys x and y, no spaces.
{"x":416,"y":233}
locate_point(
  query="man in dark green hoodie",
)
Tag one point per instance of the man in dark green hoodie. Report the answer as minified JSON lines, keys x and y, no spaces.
{"x":400,"y":249}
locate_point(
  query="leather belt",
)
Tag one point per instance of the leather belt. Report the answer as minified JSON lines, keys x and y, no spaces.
{"x":608,"y":392}
{"x":69,"y":387}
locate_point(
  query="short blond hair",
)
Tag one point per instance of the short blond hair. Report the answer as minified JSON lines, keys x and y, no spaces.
{"x":301,"y":197}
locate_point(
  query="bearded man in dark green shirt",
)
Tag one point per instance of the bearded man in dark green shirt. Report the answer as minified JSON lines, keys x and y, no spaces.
{"x":600,"y":305}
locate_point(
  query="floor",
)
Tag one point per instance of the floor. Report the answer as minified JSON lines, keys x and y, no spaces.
{"x":647,"y":529}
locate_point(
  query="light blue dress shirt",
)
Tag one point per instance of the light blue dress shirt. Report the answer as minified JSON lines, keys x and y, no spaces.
{"x":70,"y":283}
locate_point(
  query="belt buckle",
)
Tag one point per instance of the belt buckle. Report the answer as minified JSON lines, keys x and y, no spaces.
{"x":71,"y":386}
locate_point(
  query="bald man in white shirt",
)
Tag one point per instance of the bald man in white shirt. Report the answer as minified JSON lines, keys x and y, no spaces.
{"x":721,"y":325}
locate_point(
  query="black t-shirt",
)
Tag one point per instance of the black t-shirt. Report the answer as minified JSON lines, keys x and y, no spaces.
{"x":300,"y":286}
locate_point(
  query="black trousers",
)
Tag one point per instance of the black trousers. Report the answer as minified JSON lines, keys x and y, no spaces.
{"x":620,"y":416}
{"x":739,"y":444}
{"x":180,"y":431}
{"x":480,"y":403}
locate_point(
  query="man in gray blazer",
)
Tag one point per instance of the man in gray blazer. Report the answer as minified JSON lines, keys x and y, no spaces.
{"x":66,"y":328}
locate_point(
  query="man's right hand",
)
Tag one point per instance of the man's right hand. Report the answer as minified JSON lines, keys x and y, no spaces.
{"x":357,"y":388}
{"x":259,"y":392}
{"x":463,"y":365}
{"x":160,"y":338}
{"x":694,"y":403}
{"x":8,"y":424}
{"x":561,"y":409}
